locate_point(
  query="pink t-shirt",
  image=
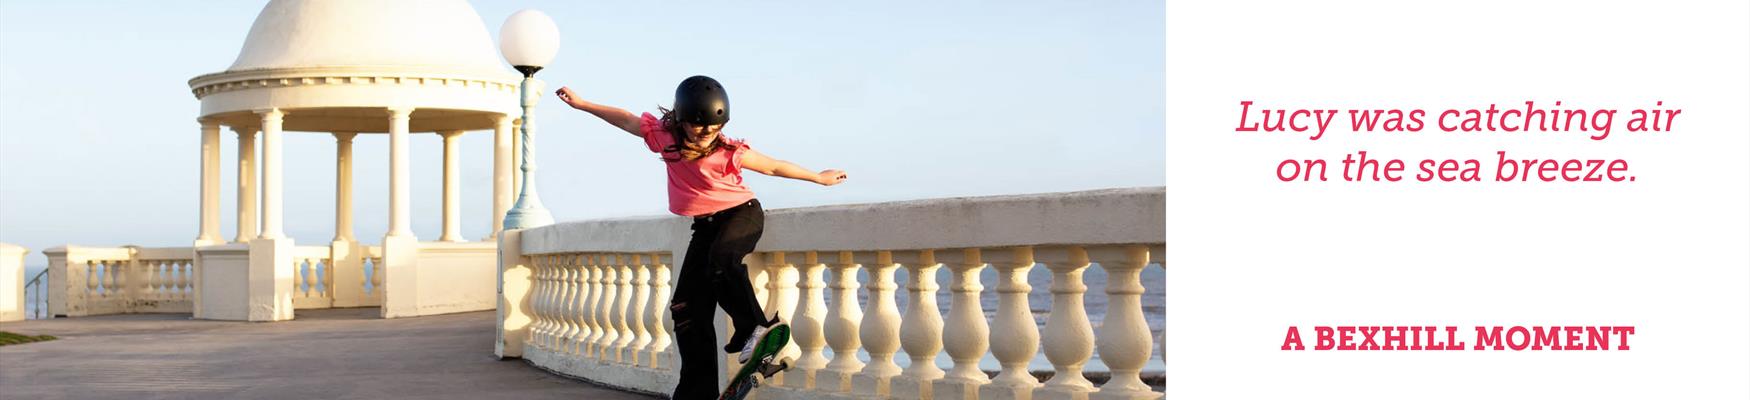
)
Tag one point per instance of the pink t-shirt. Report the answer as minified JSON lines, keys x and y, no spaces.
{"x":709,"y":184}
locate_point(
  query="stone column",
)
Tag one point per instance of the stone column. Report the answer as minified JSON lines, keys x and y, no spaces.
{"x":452,"y":187}
{"x":400,"y":172}
{"x":209,"y":233}
{"x":343,"y":186}
{"x":400,"y":246}
{"x":346,"y":274}
{"x":502,"y":172}
{"x":245,"y":184}
{"x":271,"y":174}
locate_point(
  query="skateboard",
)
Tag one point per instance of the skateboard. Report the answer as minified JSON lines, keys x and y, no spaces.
{"x":762,"y":365}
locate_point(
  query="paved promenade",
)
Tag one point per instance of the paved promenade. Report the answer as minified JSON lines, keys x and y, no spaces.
{"x":340,"y":353}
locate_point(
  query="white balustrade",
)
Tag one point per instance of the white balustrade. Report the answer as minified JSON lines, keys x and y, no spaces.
{"x":118,"y":280}
{"x":614,"y":299}
{"x":311,"y":266}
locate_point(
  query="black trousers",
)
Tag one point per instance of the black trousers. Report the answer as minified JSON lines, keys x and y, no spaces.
{"x":713,"y":275}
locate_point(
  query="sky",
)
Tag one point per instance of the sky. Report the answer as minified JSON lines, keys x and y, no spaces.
{"x":913,"y":99}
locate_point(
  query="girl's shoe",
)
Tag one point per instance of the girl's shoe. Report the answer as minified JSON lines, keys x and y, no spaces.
{"x":753,"y":340}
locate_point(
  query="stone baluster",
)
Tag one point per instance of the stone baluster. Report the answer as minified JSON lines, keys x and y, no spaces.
{"x":606,"y":314}
{"x":163,"y":279}
{"x":555,"y":301}
{"x":657,"y":308}
{"x":183,"y":270}
{"x":159,"y":279}
{"x":538,"y":302}
{"x":91,"y":278}
{"x":921,"y":330}
{"x":547,"y":273}
{"x":781,"y":299}
{"x":622,"y":308}
{"x":109,"y":278}
{"x":188,"y":278}
{"x":114,"y":270}
{"x":807,"y":331}
{"x":1125,"y":341}
{"x":591,"y":305}
{"x":308,"y":278}
{"x":167,"y":289}
{"x":880,"y":330}
{"x":965,"y":333}
{"x":154,"y":280}
{"x":567,"y":292}
{"x":170,"y":279}
{"x":842,"y":326}
{"x":1068,"y":336}
{"x":149,"y":269}
{"x":579,"y":282}
{"x":760,"y":280}
{"x":1014,"y":337}
{"x":567,"y":310}
{"x":377,"y":272}
{"x":635,"y":311}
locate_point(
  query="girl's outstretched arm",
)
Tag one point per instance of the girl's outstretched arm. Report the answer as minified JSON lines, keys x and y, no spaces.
{"x":612,"y":115}
{"x":760,"y":163}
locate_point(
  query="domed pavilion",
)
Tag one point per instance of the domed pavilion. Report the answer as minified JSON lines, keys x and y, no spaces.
{"x":345,"y":68}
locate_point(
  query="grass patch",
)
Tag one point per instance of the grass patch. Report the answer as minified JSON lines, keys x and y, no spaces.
{"x":7,"y":338}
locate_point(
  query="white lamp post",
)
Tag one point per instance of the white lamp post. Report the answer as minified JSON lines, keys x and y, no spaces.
{"x":529,"y":40}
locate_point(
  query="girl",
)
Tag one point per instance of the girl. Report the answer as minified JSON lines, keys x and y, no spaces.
{"x":704,"y":182}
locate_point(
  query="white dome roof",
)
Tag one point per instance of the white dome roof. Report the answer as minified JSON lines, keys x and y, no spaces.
{"x":442,"y":35}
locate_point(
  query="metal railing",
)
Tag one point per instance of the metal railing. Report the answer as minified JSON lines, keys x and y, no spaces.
{"x":41,"y":283}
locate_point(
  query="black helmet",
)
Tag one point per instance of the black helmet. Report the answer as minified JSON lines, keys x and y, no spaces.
{"x":702,"y":101}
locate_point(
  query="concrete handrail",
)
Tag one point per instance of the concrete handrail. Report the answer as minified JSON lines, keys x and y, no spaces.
{"x":589,"y":298}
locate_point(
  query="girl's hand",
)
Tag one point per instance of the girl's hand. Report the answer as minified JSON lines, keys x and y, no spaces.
{"x":568,"y":96}
{"x":831,"y":177}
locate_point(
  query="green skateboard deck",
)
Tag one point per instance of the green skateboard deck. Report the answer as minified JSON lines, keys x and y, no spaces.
{"x":763,"y":364}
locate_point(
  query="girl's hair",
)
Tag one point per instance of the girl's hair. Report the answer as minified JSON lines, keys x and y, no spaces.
{"x":680,"y":150}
